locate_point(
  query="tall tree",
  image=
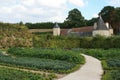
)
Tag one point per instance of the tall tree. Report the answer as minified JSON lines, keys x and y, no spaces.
{"x":116,"y":20}
{"x":107,"y":13}
{"x":75,"y":19}
{"x":112,"y":15}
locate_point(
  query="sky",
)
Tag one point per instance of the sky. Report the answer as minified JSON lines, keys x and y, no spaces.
{"x":14,"y":11}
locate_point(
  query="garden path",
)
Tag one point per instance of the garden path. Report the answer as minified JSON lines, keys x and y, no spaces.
{"x":91,"y":70}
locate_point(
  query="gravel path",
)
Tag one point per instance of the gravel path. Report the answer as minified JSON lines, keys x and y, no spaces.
{"x":91,"y":70}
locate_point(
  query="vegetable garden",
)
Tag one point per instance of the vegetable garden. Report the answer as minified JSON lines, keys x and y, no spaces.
{"x":57,"y":60}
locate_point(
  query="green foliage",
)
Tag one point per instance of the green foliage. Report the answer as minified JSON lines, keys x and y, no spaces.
{"x":49,"y":41}
{"x":106,"y":13}
{"x":114,"y":63}
{"x":107,"y":76}
{"x":44,"y":25}
{"x":47,"y":25}
{"x":11,"y":74}
{"x":91,"y":21}
{"x":55,"y":60}
{"x":75,"y":19}
{"x":112,"y":75}
{"x":104,"y":54}
{"x":112,"y":15}
{"x":55,"y":54}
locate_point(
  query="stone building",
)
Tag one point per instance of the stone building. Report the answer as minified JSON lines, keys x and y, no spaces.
{"x":99,"y":28}
{"x":102,"y":29}
{"x":56,"y":30}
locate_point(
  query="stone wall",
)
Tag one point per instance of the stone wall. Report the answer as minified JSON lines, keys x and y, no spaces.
{"x":111,"y":31}
{"x":101,"y":32}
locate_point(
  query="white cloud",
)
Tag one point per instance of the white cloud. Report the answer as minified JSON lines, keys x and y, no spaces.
{"x":79,"y":3}
{"x":35,"y":10}
{"x":6,"y":10}
{"x":95,"y":15}
{"x":28,"y":2}
{"x":114,"y":2}
{"x":53,"y":3}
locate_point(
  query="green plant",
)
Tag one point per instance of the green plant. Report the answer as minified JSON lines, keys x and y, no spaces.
{"x":37,"y":63}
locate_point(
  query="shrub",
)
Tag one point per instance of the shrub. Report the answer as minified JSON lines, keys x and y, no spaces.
{"x":49,"y":41}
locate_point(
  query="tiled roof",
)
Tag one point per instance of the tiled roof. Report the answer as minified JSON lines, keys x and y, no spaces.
{"x":83,"y":29}
{"x":101,"y":25}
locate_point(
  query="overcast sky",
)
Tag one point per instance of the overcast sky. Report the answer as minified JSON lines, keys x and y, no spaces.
{"x":49,"y":10}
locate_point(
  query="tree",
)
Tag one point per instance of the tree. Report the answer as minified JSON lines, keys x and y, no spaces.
{"x":116,"y":20}
{"x":107,"y":13}
{"x":112,"y":15}
{"x":91,"y":21}
{"x":75,"y":19}
{"x":21,"y":23}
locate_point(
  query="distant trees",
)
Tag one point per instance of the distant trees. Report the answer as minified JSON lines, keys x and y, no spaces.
{"x":75,"y":19}
{"x":43,"y":25}
{"x":91,"y":21}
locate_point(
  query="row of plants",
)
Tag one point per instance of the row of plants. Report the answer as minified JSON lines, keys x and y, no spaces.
{"x":46,"y":53}
{"x":110,"y":60}
{"x":12,"y":74}
{"x":37,"y":63}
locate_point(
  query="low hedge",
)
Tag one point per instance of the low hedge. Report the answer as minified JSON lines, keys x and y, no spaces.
{"x":50,"y":41}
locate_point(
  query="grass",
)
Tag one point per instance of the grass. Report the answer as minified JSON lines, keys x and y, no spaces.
{"x":11,"y":74}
